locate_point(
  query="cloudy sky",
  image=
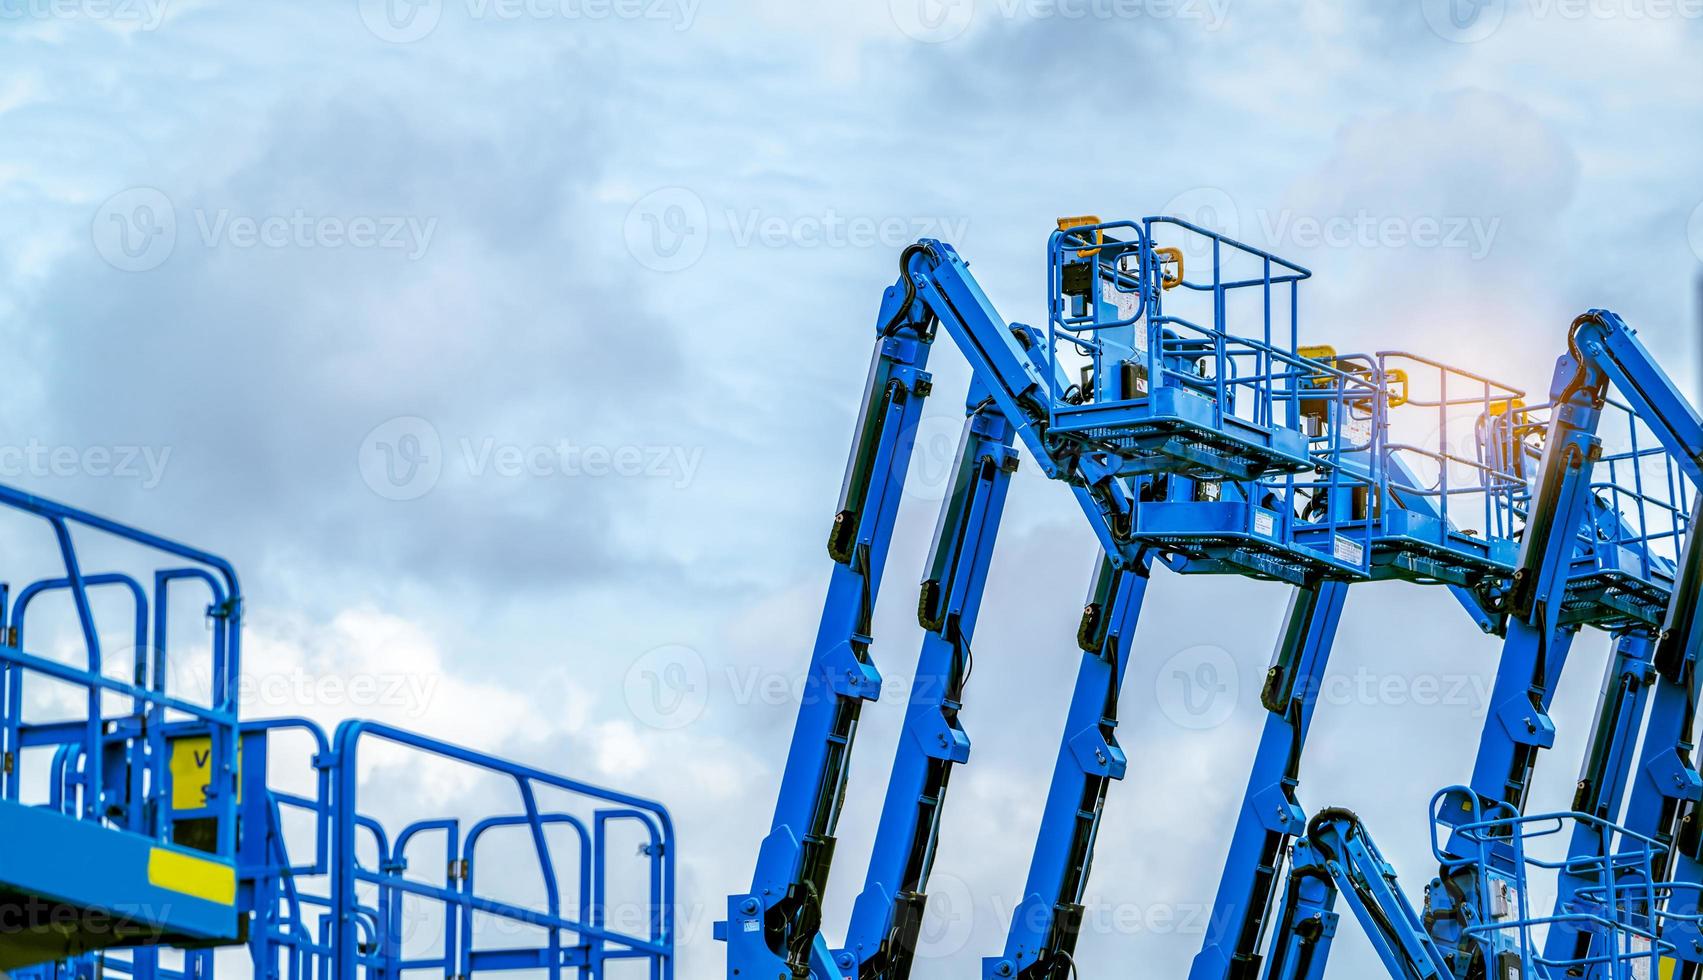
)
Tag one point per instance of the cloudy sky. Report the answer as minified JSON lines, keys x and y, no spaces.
{"x":512,"y":348}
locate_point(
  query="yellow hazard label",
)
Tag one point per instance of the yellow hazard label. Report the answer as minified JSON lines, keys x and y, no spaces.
{"x":186,"y":874}
{"x":192,"y":771}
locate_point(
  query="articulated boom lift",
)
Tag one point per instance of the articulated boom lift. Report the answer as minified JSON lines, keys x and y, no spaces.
{"x":147,"y":825}
{"x":1626,"y":883}
{"x":1173,"y":397}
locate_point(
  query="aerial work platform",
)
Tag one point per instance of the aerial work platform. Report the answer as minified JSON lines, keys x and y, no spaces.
{"x":149,"y":828}
{"x":1176,"y":395}
{"x":1200,"y":388}
{"x":119,"y":853}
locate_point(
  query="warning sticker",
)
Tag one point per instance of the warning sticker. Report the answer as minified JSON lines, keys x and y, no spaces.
{"x":1263,"y":524}
{"x":1352,"y":552}
{"x":191,"y":765}
{"x":1639,"y":954}
{"x":1128,"y":304}
{"x":1358,"y":432}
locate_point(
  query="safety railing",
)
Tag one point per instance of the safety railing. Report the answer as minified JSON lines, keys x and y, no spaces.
{"x":1614,"y":900}
{"x":367,"y":936}
{"x":1642,"y":485}
{"x":348,"y":899}
{"x":1285,"y":527}
{"x":1189,"y":372}
{"x":1341,"y":405}
{"x":289,"y":936}
{"x":1642,"y":507}
{"x":1191,"y":364}
{"x":87,"y":777}
{"x":1440,"y":511}
{"x":1435,"y":468}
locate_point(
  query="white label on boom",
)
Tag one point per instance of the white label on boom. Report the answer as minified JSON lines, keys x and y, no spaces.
{"x":1263,"y":524}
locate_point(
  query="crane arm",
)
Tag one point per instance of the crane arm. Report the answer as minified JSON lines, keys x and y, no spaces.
{"x":773,"y":929}
{"x":1339,"y":846}
{"x":881,"y":941}
{"x":1043,"y":931}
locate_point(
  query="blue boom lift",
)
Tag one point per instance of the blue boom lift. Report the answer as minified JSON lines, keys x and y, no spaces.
{"x":147,"y":825}
{"x":1196,"y":432}
{"x":1626,"y":902}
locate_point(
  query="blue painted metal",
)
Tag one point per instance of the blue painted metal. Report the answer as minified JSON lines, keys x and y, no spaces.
{"x":101,"y":831}
{"x":1158,"y":394}
{"x":1306,"y":920}
{"x":773,"y":929}
{"x":1537,"y":640}
{"x":1210,"y":418}
{"x":1602,"y":784}
{"x":110,"y":816}
{"x":1194,"y":389}
{"x":1640,"y":509}
{"x":1666,"y":787}
{"x":1615,"y":889}
{"x":1601,"y":350}
{"x":1437,"y":514}
{"x":1592,"y":553}
{"x":1195,"y":431}
{"x":1415,"y":538}
{"x":325,"y":910}
{"x":1043,"y":930}
{"x":366,"y":940}
{"x":886,"y":919}
{"x":1271,"y":815}
{"x":1342,"y":851}
{"x":1196,"y":377}
{"x":1608,"y":894}
{"x":1368,"y":515}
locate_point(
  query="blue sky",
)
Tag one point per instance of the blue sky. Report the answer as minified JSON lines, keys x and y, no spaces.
{"x":514,"y":347}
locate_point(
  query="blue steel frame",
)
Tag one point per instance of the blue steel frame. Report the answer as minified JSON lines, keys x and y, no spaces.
{"x":774,"y":929}
{"x":1609,"y":893}
{"x":596,"y":943}
{"x":1660,"y":805}
{"x":111,"y":811}
{"x":1154,"y":422}
{"x":1616,"y":897}
{"x":888,"y":913}
{"x":1247,"y":423}
{"x":1223,"y":406}
{"x":1142,"y":465}
{"x":1666,"y":786}
{"x":1271,"y":816}
{"x":1021,"y":390}
{"x":111,"y":784}
{"x":1175,"y":435}
{"x":1440,"y":553}
{"x":297,"y":933}
{"x":1457,"y":528}
{"x":1604,"y":919}
{"x":1626,"y":565}
{"x":1603,"y":351}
